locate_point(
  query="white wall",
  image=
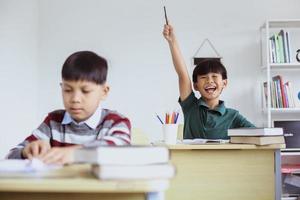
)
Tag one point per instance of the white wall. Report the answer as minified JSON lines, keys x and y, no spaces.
{"x":18,"y":71}
{"x":128,"y":34}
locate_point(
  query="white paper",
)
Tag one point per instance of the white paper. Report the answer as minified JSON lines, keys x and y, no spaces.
{"x":18,"y":165}
{"x":204,"y":141}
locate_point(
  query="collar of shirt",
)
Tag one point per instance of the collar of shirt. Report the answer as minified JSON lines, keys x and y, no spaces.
{"x":220,"y":108}
{"x":92,"y":121}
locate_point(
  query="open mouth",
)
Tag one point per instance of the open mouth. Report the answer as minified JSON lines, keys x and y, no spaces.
{"x":210,"y":89}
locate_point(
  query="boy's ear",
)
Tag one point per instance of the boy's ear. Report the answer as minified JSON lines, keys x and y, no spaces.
{"x":195,"y":86}
{"x":105,"y":89}
{"x":225,"y":82}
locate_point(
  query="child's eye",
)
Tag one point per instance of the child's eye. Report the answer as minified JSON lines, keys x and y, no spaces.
{"x":86,"y":91}
{"x":67,"y":90}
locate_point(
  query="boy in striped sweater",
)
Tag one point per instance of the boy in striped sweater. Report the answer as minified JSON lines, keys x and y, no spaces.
{"x":83,"y":122}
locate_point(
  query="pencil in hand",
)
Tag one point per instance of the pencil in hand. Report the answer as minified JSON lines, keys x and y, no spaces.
{"x":166,"y":17}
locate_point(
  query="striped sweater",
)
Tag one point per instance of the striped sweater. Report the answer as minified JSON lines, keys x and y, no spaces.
{"x":112,"y":129}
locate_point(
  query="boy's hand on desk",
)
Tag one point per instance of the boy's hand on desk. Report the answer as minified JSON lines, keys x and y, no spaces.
{"x":60,"y":155}
{"x":36,"y":149}
{"x":169,"y":33}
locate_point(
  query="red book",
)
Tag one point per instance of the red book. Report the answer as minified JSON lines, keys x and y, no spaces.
{"x":288,"y":168}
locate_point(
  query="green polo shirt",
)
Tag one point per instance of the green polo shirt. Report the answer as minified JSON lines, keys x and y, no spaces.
{"x":202,"y":122}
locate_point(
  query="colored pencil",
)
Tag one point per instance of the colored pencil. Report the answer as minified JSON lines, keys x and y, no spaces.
{"x":159,"y":119}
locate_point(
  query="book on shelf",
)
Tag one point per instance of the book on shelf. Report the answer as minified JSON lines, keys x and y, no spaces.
{"x":292,"y":179}
{"x":280,"y":47}
{"x":122,"y":155}
{"x":129,"y":172}
{"x":280,"y":91}
{"x":290,"y":168}
{"x":272,"y":52}
{"x":282,"y":94}
{"x":283,"y":45}
{"x":258,"y":140}
{"x":288,"y":45}
{"x":291,"y":101}
{"x":277,"y":48}
{"x":255,"y":131}
{"x":280,"y":44}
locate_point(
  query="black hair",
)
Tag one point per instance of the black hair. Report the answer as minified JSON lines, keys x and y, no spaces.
{"x":207,"y":66}
{"x":85,"y":65}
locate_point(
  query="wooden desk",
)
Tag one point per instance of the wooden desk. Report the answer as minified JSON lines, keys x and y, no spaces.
{"x":225,"y":171}
{"x":79,"y":184}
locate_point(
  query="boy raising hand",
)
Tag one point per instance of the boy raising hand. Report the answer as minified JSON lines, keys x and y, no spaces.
{"x":206,"y":117}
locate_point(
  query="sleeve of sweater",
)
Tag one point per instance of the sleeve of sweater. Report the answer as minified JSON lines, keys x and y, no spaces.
{"x":41,"y":133}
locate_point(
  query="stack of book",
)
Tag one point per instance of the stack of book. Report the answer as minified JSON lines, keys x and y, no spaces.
{"x":258,"y":136}
{"x":127,"y":162}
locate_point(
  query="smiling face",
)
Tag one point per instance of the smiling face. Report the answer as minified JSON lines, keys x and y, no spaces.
{"x":210,"y":86}
{"x":82,"y":98}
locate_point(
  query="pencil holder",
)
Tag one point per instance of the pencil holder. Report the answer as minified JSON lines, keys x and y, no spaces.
{"x":170,"y":133}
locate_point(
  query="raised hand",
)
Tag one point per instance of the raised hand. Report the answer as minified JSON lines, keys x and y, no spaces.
{"x":185,"y":86}
{"x":168,"y":33}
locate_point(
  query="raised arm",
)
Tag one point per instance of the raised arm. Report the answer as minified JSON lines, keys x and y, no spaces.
{"x":185,"y":85}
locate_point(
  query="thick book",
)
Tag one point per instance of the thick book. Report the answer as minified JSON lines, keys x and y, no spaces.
{"x":255,"y":131}
{"x":258,"y":140}
{"x":122,"y":155}
{"x":129,"y":172}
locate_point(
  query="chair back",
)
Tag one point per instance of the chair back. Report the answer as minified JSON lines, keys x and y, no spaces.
{"x":138,"y":137}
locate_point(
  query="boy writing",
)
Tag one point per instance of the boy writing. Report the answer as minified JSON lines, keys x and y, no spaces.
{"x":83,"y":122}
{"x":206,"y":117}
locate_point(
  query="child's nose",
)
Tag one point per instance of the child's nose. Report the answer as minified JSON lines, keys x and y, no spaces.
{"x":209,"y":79}
{"x":76,"y":97}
